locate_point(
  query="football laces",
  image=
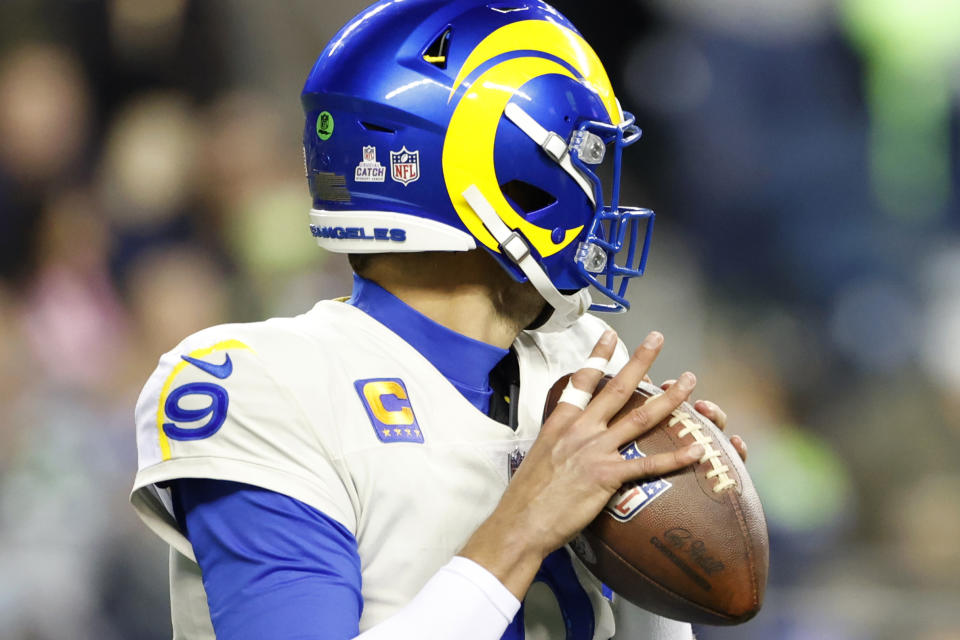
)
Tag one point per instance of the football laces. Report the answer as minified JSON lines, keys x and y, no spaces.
{"x":710,"y":454}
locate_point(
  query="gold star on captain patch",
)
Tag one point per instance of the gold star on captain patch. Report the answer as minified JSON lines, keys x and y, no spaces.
{"x":417,"y":431}
{"x":397,"y":431}
{"x":407,"y":430}
{"x":386,"y":433}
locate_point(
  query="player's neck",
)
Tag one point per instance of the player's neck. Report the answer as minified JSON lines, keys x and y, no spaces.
{"x":464,"y":309}
{"x":465,"y":292}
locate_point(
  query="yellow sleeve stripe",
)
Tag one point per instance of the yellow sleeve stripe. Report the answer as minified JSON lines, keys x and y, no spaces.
{"x":165,"y":391}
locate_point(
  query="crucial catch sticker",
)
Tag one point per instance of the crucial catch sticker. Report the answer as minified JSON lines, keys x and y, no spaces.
{"x":369,"y":170}
{"x":633,"y":497}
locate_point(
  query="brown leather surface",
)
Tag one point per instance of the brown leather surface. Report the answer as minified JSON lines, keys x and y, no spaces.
{"x":690,"y":553}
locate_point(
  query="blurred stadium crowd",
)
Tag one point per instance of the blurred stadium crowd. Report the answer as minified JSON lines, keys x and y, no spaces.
{"x":803,"y":161}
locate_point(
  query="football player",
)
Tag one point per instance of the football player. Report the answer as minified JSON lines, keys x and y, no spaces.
{"x":356,"y":470}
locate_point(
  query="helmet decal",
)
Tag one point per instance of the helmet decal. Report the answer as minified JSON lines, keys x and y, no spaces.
{"x":468,"y":151}
{"x":541,"y":36}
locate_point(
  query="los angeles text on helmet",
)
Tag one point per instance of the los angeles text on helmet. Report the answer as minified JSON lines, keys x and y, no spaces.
{"x":359,"y":233}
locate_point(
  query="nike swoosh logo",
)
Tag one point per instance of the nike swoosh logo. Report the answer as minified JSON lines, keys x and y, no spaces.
{"x":221,"y":371}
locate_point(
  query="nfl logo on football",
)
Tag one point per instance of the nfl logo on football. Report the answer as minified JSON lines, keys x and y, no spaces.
{"x":405,"y":166}
{"x":634,"y":496}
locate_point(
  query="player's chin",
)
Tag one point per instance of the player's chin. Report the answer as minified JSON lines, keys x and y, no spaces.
{"x":522,"y":305}
{"x":541,"y":318}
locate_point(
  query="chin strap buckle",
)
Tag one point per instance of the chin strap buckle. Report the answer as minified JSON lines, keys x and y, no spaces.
{"x":555,"y":146}
{"x":515,"y":247}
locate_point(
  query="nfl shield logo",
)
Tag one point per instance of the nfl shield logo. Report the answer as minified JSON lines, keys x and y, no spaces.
{"x":405,"y":166}
{"x":369,"y":154}
{"x":634,"y":496}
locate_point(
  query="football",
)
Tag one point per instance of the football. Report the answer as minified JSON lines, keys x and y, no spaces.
{"x":691,"y":545}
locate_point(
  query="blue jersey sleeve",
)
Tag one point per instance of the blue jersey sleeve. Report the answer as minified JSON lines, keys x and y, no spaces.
{"x":273,"y":567}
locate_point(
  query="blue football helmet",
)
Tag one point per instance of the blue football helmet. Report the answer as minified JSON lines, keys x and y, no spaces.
{"x":437,"y":125}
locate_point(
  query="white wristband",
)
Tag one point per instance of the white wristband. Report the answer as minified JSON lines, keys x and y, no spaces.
{"x":462,"y":600}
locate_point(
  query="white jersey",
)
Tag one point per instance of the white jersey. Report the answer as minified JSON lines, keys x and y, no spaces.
{"x":335,"y":410}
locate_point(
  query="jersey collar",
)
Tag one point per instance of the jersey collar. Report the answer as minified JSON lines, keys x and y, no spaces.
{"x":465,"y":362}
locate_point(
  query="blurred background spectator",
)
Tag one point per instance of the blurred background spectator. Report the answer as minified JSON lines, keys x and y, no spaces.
{"x":803,"y":160}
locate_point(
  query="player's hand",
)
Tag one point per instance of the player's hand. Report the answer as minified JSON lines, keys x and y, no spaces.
{"x":574,"y":467}
{"x":712,"y":412}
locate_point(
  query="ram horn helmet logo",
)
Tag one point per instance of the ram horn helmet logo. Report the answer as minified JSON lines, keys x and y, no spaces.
{"x":468,"y":147}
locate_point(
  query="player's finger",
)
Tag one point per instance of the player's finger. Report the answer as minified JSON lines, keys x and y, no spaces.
{"x":711,"y":411}
{"x":741,"y":446}
{"x":619,"y":389}
{"x":659,"y":464}
{"x":667,"y":383}
{"x":646,"y":378}
{"x":583,"y":382}
{"x":637,"y":422}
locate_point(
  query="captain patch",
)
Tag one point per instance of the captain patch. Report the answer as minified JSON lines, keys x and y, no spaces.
{"x":389,"y":408}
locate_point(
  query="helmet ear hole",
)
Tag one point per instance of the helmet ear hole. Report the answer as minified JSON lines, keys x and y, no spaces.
{"x":527,"y":197}
{"x":371,"y":126}
{"x":436,"y":51}
{"x":506,"y":7}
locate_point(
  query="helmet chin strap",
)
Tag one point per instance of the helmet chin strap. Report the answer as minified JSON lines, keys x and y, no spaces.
{"x":551,"y":143}
{"x":567,"y":309}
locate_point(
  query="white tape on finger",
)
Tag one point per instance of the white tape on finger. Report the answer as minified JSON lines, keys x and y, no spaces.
{"x":576,"y":397}
{"x":596,"y":362}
